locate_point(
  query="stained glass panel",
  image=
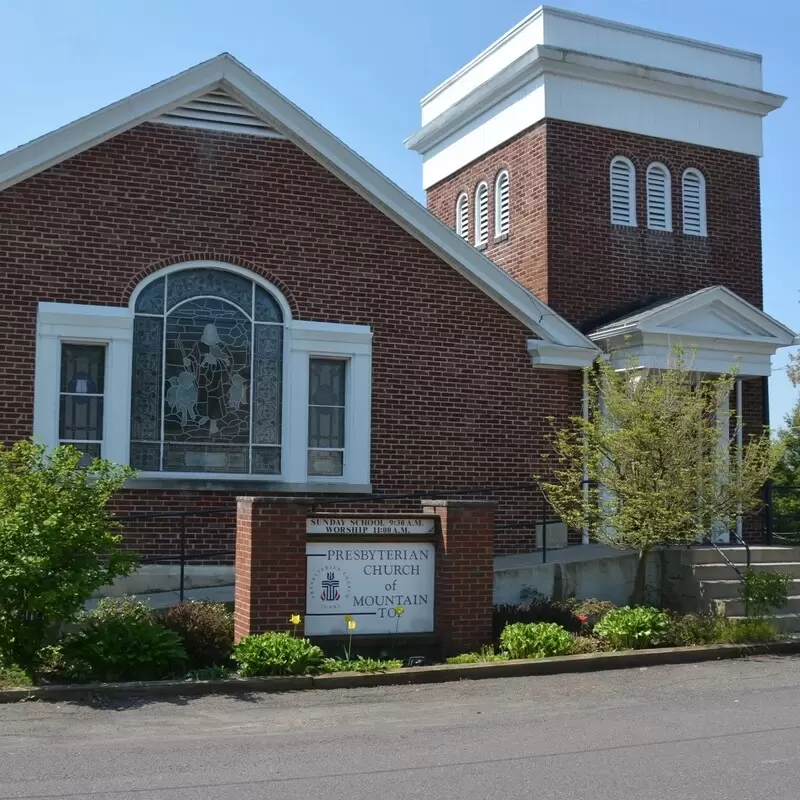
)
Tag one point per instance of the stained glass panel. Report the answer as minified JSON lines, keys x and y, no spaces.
{"x":207,"y":373}
{"x":266,"y":307}
{"x":83,"y":368}
{"x":146,"y":388}
{"x":326,"y":382}
{"x":267,"y":460}
{"x":81,"y":418}
{"x":190,"y":283}
{"x":267,"y":384}
{"x":206,"y":458}
{"x":151,"y":298}
{"x":326,"y":463}
{"x":146,"y":456}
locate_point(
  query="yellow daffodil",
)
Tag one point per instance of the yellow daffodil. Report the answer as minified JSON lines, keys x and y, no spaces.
{"x":351,"y":624}
{"x":399,"y":610}
{"x":295,"y":619}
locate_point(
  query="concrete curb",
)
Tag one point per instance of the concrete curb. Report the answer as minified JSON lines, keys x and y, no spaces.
{"x":442,"y":673}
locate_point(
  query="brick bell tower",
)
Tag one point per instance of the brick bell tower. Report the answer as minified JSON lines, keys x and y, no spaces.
{"x":611,"y":169}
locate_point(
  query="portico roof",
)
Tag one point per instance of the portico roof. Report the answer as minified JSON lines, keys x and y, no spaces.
{"x":719,"y":328}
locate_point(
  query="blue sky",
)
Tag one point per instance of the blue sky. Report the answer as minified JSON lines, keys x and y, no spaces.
{"x":361,"y":66}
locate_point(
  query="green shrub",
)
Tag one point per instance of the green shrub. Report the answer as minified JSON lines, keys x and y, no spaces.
{"x":58,"y":544}
{"x":276,"y":654}
{"x":746,"y":631}
{"x":537,"y":609}
{"x":14,"y":677}
{"x":586,"y":644}
{"x":122,"y":648}
{"x":535,"y":640}
{"x":634,"y":628}
{"x":693,"y":629}
{"x":485,"y":654}
{"x":590,"y":611}
{"x":359,"y":665}
{"x":206,"y":630}
{"x":763,"y":591}
{"x":123,"y":609}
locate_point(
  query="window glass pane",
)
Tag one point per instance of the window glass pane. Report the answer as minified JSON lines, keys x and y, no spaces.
{"x":267,"y":384}
{"x":326,"y":382}
{"x":326,"y":462}
{"x":206,"y":458}
{"x":207,"y":374}
{"x":190,"y":283}
{"x":90,"y":450}
{"x":81,"y":418}
{"x":267,"y":460}
{"x":151,"y":298}
{"x":82,"y":368}
{"x":267,"y":308}
{"x":325,"y":426}
{"x":146,"y":456}
{"x":146,"y":383}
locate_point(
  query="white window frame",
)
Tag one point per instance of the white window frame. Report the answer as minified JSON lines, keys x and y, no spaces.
{"x":701,"y":200}
{"x":498,"y":205}
{"x":651,"y":189}
{"x":113,"y":327}
{"x":481,"y":230}
{"x":462,"y":217}
{"x":631,"y":221}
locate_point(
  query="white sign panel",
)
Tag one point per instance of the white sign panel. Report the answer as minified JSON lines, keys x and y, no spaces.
{"x":362,"y":526}
{"x":369,"y":581}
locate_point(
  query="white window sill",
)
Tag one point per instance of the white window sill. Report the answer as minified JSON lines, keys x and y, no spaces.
{"x":242,"y":484}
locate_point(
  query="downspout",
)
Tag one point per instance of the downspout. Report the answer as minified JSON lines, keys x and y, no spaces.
{"x":585,"y":534}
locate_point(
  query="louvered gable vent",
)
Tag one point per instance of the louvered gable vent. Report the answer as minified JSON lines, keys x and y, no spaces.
{"x":623,"y":194}
{"x":481,"y":214}
{"x":694,"y":203}
{"x":218,"y":111}
{"x":502,"y":221}
{"x":462,"y":216}
{"x":659,"y":206}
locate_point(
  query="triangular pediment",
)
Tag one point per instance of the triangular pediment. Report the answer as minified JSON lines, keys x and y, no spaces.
{"x":713,"y":313}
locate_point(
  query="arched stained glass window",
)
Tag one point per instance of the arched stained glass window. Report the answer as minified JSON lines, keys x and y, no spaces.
{"x":207,"y":375}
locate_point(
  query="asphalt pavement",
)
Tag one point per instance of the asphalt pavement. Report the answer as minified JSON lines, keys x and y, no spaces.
{"x":718,"y":731}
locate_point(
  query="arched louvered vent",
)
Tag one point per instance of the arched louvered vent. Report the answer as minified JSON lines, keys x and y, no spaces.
{"x":659,"y":203}
{"x":502,"y":219}
{"x":623,"y":192}
{"x":481,"y":214}
{"x":694,"y":203}
{"x":218,"y":111}
{"x":462,"y":216}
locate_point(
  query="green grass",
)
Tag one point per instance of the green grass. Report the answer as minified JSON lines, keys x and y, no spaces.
{"x":484,"y":655}
{"x":14,"y":678}
{"x":359,"y":665}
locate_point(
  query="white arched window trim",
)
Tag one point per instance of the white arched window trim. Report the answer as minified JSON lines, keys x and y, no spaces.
{"x":502,"y":204}
{"x":622,"y":191}
{"x":481,"y":214}
{"x":112,"y":327}
{"x":693,"y":195}
{"x":462,"y":216}
{"x":659,"y":197}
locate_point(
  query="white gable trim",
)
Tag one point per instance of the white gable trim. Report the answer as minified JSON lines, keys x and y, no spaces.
{"x":279,"y":113}
{"x":718,"y":329}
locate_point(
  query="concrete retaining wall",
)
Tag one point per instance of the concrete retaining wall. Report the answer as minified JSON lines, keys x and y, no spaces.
{"x":587,"y":571}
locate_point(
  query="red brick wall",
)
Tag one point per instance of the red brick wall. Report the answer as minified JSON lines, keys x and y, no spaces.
{"x":456,"y":402}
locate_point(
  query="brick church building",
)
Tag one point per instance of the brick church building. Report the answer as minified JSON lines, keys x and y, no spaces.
{"x":167,"y":303}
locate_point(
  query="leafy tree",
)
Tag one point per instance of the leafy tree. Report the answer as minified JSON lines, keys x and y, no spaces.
{"x":786,"y":493}
{"x":57,"y":542}
{"x":657,"y":473}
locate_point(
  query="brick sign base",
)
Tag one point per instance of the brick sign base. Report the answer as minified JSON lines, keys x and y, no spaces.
{"x":271,"y":568}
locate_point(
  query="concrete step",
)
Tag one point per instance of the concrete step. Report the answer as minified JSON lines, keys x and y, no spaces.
{"x":734,"y":607}
{"x":723,"y":571}
{"x":758,"y":554}
{"x":785,"y":623}
{"x":729,"y":589}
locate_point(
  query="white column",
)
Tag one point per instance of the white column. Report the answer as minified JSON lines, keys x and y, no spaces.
{"x":739,"y":451}
{"x":720,"y":531}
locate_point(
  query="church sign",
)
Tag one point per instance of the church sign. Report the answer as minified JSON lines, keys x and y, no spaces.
{"x":383,"y":585}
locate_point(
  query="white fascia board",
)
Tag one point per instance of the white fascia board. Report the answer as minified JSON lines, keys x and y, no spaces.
{"x":544,"y":59}
{"x":226,"y":72}
{"x":552,"y":356}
